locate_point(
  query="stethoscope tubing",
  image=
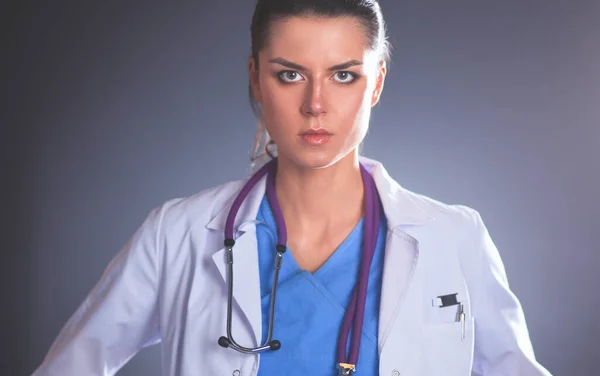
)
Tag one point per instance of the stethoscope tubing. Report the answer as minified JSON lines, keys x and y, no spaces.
{"x":354,"y":316}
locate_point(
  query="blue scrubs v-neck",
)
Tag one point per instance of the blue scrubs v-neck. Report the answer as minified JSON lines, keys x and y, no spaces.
{"x":310,"y":307}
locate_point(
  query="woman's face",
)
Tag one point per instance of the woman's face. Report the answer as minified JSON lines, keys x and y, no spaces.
{"x":317,"y":73}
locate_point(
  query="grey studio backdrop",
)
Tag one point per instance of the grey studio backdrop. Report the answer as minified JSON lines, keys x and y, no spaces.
{"x":116,"y":107}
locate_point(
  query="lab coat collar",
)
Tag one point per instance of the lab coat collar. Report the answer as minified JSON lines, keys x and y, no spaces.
{"x":399,"y":205}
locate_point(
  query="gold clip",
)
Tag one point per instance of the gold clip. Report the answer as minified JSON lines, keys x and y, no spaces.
{"x":346,"y":369}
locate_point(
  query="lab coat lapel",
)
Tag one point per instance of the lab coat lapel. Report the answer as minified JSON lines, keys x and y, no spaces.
{"x":246,"y":278}
{"x":403,"y":213}
{"x":401,"y":256}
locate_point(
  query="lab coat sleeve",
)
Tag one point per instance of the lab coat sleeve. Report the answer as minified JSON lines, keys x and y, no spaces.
{"x":117,"y":318}
{"x":502,"y":343}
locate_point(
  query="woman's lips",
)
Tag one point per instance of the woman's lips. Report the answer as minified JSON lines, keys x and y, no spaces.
{"x":316,"y":137}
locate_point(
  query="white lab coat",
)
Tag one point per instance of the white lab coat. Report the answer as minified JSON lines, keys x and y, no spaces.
{"x":168,"y":284}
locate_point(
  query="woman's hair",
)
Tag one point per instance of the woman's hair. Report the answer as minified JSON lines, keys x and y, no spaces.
{"x":266,"y":12}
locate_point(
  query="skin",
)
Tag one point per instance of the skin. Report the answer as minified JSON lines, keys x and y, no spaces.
{"x":319,"y":188}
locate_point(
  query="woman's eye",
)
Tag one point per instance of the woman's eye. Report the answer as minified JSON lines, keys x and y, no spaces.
{"x":344,"y":77}
{"x":289,"y":76}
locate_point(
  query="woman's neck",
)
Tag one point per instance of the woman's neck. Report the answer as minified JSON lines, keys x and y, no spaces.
{"x":315,"y":201}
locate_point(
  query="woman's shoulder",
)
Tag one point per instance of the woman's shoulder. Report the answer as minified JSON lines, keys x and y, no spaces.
{"x":452,"y":228}
{"x":457,"y":224}
{"x":177,"y":216}
{"x":443,"y":212}
{"x":434,"y":213}
{"x":417,"y":207}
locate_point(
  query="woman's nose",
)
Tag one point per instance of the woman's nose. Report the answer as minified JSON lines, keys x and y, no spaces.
{"x":314,"y":104}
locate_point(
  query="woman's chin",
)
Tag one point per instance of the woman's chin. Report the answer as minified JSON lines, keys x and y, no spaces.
{"x":316,"y":159}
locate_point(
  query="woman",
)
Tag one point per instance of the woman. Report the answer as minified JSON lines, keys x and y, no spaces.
{"x":419,"y":281}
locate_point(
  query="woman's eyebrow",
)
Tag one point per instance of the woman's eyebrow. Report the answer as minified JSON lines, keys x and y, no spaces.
{"x":346,"y":65}
{"x":292,"y":65}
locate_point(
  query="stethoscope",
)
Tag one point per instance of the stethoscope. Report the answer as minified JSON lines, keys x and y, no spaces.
{"x":354,"y":315}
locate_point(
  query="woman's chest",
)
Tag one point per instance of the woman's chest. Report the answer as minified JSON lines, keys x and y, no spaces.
{"x":414,"y":335}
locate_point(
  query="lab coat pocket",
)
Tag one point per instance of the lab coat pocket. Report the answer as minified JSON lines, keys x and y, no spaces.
{"x":446,"y":352}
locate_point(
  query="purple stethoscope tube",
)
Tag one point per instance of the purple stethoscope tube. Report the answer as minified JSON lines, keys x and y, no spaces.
{"x":354,"y":316}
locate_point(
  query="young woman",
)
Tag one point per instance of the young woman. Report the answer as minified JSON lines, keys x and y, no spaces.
{"x":320,"y":263}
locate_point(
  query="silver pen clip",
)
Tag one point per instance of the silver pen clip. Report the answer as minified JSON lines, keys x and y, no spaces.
{"x":461,"y":318}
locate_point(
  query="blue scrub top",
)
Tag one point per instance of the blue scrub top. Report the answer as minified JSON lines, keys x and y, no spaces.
{"x":309,"y":308}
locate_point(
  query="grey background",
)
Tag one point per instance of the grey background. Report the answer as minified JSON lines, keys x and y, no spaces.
{"x":113,"y":107}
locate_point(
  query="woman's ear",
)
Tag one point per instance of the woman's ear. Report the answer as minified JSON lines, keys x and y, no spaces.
{"x":254,"y":83}
{"x":381,"y":72}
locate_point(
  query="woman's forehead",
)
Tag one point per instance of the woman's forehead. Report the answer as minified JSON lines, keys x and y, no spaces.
{"x":321,"y":38}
